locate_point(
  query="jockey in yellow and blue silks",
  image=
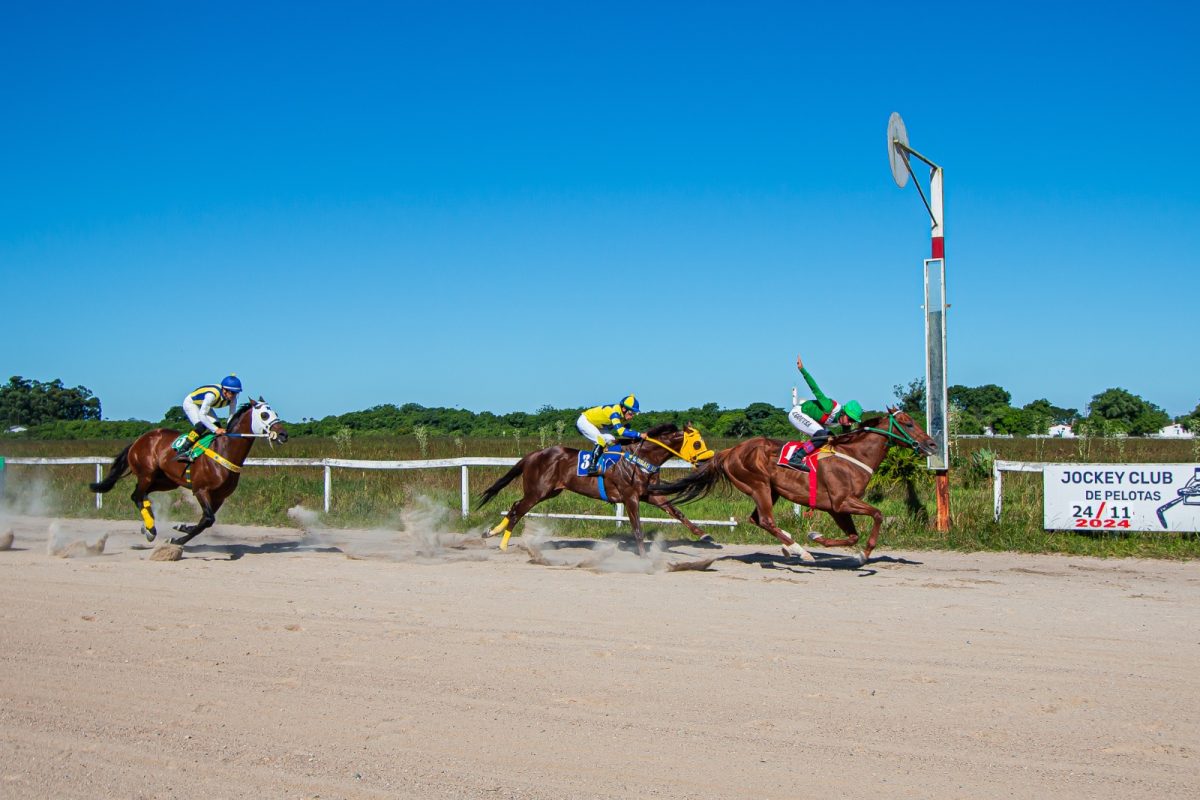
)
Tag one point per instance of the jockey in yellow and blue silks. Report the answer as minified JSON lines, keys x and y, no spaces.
{"x":199,"y":405}
{"x":602,"y":425}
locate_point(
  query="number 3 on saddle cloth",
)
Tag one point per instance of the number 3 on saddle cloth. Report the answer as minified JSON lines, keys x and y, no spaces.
{"x":785,"y":455}
{"x":610,"y":457}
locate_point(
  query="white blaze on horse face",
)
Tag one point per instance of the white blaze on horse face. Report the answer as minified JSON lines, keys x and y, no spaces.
{"x":263,"y":418}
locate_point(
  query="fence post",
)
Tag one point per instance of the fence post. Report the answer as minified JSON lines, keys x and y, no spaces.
{"x":328,"y":487}
{"x":99,"y":475}
{"x":997,"y":491}
{"x":466,"y":492}
{"x":620,"y":513}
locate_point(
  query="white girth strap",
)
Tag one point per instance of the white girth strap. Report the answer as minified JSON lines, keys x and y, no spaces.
{"x":854,"y":460}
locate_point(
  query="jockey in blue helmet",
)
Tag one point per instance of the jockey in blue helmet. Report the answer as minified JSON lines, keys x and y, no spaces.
{"x":199,"y":405}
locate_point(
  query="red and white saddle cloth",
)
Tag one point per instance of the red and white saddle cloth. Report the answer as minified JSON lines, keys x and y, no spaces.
{"x":811,"y":460}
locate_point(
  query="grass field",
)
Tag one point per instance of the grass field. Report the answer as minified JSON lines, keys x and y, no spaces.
{"x":374,"y":497}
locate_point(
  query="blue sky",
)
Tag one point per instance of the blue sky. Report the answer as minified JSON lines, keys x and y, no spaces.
{"x":502,"y":206}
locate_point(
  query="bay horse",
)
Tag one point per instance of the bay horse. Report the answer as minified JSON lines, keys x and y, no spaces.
{"x":841,"y":479}
{"x":212,"y":477}
{"x":546,"y":473}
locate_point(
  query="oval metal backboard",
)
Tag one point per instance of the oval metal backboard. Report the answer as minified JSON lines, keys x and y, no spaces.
{"x":897,"y":158}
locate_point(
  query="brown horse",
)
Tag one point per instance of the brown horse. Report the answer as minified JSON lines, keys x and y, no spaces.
{"x":212,"y":477}
{"x":842,"y":476}
{"x":547,"y":472}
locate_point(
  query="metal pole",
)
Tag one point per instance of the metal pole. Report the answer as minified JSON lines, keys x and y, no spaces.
{"x":938,"y":250}
{"x":620,"y":513}
{"x":99,"y":497}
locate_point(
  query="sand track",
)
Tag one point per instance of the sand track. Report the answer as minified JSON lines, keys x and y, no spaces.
{"x":269,"y":665}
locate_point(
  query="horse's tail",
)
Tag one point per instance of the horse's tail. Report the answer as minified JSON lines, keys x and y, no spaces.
{"x":495,"y":488}
{"x":118,"y":470}
{"x":694,"y":485}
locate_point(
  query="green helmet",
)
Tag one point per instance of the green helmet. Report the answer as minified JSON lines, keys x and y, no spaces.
{"x":853,"y":410}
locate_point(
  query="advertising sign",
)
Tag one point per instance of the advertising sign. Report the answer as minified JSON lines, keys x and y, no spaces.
{"x":1130,"y":497}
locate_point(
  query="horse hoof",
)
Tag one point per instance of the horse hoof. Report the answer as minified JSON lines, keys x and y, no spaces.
{"x":707,"y":539}
{"x":813,"y":536}
{"x":150,"y":533}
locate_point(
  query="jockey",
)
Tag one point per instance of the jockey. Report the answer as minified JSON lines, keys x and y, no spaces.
{"x":811,"y":417}
{"x":198,"y":406}
{"x":603,"y":424}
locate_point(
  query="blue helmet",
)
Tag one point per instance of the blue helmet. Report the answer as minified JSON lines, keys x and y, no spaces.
{"x":232,"y":383}
{"x":630,"y":402}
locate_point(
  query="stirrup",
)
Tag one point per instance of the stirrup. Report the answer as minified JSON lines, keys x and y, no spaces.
{"x":185,"y":456}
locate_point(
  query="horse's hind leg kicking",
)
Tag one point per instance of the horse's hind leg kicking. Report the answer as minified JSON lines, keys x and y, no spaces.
{"x":519,"y":509}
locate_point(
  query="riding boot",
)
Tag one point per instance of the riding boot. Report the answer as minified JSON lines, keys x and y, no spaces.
{"x":594,"y":464}
{"x":800,"y":456}
{"x":185,"y":452}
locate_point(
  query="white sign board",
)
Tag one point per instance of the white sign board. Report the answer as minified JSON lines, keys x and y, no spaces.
{"x":1131,"y":497}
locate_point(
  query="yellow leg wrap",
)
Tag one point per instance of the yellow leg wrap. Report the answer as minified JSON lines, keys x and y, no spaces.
{"x":147,"y":517}
{"x":504,"y":541}
{"x":499,"y":528}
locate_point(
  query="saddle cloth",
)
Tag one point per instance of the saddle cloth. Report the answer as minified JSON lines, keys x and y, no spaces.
{"x":610,"y":457}
{"x":205,"y":441}
{"x":788,"y":450}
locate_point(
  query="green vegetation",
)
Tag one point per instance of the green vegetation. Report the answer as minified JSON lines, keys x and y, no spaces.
{"x":902,"y":489}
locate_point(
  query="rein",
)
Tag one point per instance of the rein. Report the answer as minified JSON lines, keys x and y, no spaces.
{"x":903,"y":437}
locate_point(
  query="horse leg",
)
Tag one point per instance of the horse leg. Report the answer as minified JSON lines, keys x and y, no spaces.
{"x":659,"y":501}
{"x":142,"y":503}
{"x":208,"y":517}
{"x":519,"y":509}
{"x":842,"y":516}
{"x":635,"y":522}
{"x":763,"y":516}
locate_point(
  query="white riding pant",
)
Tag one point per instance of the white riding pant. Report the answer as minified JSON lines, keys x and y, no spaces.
{"x":592,"y":433}
{"x":197,"y":415}
{"x":803,"y":422}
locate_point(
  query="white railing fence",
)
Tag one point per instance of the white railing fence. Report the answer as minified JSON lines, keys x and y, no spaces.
{"x":998,"y":470}
{"x":330,"y":464}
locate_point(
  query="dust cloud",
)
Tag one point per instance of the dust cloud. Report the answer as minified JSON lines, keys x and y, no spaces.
{"x":418,"y":534}
{"x":62,"y":542}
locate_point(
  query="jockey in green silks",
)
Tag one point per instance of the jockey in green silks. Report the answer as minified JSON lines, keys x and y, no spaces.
{"x":601,"y":425}
{"x":812,"y":417}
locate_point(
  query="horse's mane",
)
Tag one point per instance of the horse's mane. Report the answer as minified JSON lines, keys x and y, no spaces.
{"x":233,"y":418}
{"x":659,"y":430}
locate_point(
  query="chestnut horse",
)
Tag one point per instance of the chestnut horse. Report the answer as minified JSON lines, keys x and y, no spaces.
{"x":547,"y":472}
{"x":212,"y":477}
{"x":842,"y":476}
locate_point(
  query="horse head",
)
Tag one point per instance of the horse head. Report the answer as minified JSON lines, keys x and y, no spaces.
{"x":262,"y":421}
{"x":694,"y":448}
{"x":905,"y":430}
{"x":687,"y":443}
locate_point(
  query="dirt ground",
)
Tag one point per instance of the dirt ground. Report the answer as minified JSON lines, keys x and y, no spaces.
{"x":374,"y":664}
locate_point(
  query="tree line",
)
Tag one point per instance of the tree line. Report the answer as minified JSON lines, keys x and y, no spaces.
{"x":54,"y":411}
